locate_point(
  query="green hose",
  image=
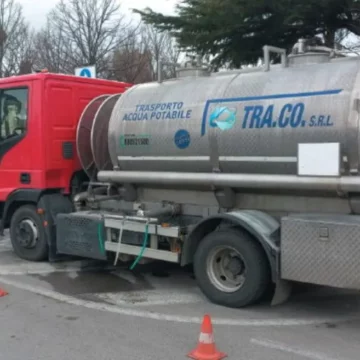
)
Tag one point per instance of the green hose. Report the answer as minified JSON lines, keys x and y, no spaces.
{"x":146,"y":235}
{"x":101,"y":239}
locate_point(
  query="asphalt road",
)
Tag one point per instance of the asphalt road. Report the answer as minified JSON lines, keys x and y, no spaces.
{"x":77,"y":311}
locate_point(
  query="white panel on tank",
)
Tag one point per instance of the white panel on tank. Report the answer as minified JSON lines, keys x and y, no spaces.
{"x":319,"y":159}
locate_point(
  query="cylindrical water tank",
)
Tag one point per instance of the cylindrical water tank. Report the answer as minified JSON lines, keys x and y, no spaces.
{"x":238,"y":122}
{"x":83,"y":135}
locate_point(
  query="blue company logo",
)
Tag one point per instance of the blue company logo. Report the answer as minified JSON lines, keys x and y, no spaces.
{"x":281,"y":115}
{"x":223,"y":118}
{"x":182,"y":139}
{"x":85,"y":72}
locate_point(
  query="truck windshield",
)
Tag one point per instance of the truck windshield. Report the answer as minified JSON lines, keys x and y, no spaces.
{"x":13,"y":105}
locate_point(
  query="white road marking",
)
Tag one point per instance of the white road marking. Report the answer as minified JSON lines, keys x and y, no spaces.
{"x":296,"y":351}
{"x":166,"y":317}
{"x":29,"y":268}
{"x":150,"y":298}
{"x":5,"y":246}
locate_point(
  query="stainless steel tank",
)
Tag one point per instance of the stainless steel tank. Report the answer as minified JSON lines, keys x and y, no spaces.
{"x":243,"y":122}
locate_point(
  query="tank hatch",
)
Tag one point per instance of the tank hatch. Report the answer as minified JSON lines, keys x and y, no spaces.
{"x":193,"y":68}
{"x":310,"y":51}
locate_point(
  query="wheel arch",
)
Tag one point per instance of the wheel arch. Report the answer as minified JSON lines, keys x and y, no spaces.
{"x":262,"y":227}
{"x":77,"y":179}
{"x":19,"y":198}
{"x":52,"y":201}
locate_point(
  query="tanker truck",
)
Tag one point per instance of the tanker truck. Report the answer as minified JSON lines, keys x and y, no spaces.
{"x":250,"y":176}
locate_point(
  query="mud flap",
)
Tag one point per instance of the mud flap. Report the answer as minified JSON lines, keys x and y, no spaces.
{"x":54,"y":204}
{"x":282,"y":292}
{"x":82,"y":234}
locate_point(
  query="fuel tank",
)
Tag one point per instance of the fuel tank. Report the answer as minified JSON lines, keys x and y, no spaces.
{"x":239,"y":122}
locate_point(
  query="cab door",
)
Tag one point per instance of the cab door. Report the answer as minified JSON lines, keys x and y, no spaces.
{"x":15,"y":151}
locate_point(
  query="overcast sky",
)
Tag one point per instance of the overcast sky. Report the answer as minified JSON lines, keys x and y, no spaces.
{"x":35,"y":10}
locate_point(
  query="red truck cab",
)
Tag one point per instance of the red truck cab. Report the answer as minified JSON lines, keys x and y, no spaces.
{"x":39,"y":114}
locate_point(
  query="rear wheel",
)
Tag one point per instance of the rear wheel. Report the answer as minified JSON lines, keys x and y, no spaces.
{"x":231,"y":268}
{"x":27,"y":234}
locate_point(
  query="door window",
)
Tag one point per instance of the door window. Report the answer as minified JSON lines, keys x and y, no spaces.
{"x":13,"y":112}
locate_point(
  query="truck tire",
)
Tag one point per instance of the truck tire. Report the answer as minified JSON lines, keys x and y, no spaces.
{"x":27,"y":234}
{"x":231,"y":268}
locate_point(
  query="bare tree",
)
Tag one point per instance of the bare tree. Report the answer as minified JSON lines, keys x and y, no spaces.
{"x":81,"y":32}
{"x":163,"y":48}
{"x":15,"y":39}
{"x":132,"y":63}
{"x":22,"y":54}
{"x":86,"y":32}
{"x":137,"y":61}
{"x":52,"y":49}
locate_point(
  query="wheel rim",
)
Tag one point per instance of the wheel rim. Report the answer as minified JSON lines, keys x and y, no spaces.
{"x":226,"y":269}
{"x":27,"y":234}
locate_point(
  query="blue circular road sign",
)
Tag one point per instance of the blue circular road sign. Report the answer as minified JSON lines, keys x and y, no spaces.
{"x":85,"y":72}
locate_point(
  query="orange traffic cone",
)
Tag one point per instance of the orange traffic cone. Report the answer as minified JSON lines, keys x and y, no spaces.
{"x":206,"y":349}
{"x":3,"y":293}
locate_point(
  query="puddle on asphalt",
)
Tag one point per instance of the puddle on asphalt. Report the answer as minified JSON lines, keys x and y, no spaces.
{"x":94,"y":281}
{"x":87,"y":283}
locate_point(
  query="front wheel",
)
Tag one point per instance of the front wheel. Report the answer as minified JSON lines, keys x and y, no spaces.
{"x":27,"y":234}
{"x":231,"y":268}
